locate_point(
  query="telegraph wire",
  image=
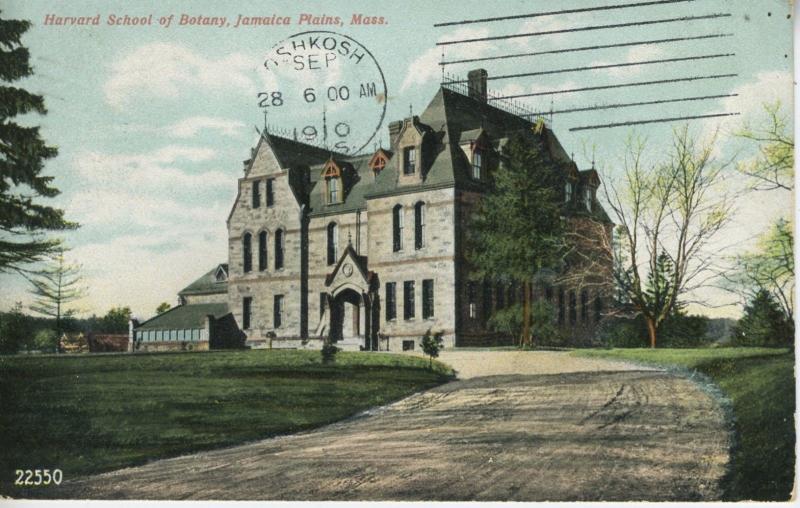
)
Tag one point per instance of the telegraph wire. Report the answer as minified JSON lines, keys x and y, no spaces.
{"x":586,"y":28}
{"x":584,"y":48}
{"x":565,"y":11}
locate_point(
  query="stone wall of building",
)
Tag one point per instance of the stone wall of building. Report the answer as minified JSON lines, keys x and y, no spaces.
{"x":207,"y":298}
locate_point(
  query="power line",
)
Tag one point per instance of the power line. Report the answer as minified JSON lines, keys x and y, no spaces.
{"x":654,"y":120}
{"x":565,"y":11}
{"x":621,"y":85}
{"x":608,"y":66}
{"x":632,"y":104}
{"x":585,"y":28}
{"x":584,"y":48}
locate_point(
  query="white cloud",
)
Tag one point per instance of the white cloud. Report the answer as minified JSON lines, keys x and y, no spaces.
{"x":426,"y":68}
{"x":162,"y":69}
{"x":189,"y":127}
{"x":637,"y":54}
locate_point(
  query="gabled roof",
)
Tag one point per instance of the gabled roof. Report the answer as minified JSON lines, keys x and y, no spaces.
{"x":359,"y":261}
{"x":184,"y":317}
{"x":208,"y":284}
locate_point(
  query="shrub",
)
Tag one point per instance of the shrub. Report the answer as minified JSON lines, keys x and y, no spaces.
{"x":46,"y":341}
{"x":676,"y":331}
{"x":763,"y":324}
{"x":328,"y":352}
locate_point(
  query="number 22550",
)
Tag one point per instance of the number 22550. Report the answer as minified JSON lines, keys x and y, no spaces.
{"x":38,"y":477}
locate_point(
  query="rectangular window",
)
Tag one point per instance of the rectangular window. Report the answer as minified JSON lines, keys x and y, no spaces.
{"x":256,"y":194}
{"x":247,"y":310}
{"x":397,"y":228}
{"x":409,"y":160}
{"x":333,"y":190}
{"x":567,"y":192}
{"x":584,"y":306}
{"x":391,"y":301}
{"x":561,"y":305}
{"x":472,"y":304}
{"x":323,"y":304}
{"x":500,"y":297}
{"x":477,"y":164}
{"x":419,"y":225}
{"x":427,"y":299}
{"x":277,"y":311}
{"x":408,"y":345}
{"x":408,"y":300}
{"x":270,"y":191}
{"x":573,"y":308}
{"x":598,"y":309}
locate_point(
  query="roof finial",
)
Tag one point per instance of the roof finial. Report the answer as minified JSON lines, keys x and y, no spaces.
{"x":410,"y":111}
{"x":265,"y":122}
{"x":349,"y":237}
{"x":572,"y":156}
{"x":324,"y":128}
{"x":441,"y":64}
{"x":593,"y":148}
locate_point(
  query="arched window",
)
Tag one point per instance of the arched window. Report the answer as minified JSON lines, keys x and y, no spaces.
{"x":477,"y":164}
{"x":333,"y":242}
{"x":419,"y":225}
{"x":247,"y":252}
{"x":279,"y":249}
{"x":397,"y":228}
{"x":567,"y":192}
{"x":333,"y":190}
{"x":262,"y":251}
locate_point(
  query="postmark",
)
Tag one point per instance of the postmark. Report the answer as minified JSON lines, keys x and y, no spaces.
{"x":324,"y":88}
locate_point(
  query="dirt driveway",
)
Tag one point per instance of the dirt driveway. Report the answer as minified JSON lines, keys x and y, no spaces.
{"x":523,"y":426}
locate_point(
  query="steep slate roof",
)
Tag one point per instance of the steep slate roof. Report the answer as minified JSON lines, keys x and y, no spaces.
{"x":184,"y":317}
{"x":208,"y":283}
{"x":451,"y":118}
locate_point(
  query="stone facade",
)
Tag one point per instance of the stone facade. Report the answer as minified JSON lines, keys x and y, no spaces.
{"x":372,"y":246}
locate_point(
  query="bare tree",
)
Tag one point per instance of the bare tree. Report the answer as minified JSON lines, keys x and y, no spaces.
{"x":773,"y":167}
{"x":667,"y":214}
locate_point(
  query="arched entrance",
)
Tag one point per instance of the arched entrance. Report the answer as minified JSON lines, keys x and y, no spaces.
{"x":347,"y":314}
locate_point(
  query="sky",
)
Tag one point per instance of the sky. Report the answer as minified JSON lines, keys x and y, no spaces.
{"x":153,"y":123}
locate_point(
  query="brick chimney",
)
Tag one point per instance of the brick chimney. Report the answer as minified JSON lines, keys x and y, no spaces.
{"x":477,"y":84}
{"x":394,"y":130}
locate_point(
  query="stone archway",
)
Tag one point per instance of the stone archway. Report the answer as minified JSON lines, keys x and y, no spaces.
{"x":346,"y":316}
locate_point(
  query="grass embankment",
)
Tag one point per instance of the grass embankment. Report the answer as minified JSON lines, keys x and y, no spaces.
{"x":85,"y":414}
{"x":761,"y":386}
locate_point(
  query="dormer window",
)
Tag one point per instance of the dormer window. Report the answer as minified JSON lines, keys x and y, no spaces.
{"x":333,"y":190}
{"x":378,"y":162}
{"x":568,"y":192}
{"x":477,"y":164}
{"x":333,"y":182}
{"x":588,"y":198}
{"x":409,"y":160}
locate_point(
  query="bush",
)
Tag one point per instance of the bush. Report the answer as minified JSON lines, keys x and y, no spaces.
{"x":676,"y":331}
{"x":328,"y":352}
{"x":15,"y":330}
{"x":46,"y":341}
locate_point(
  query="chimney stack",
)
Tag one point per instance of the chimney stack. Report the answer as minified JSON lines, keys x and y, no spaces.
{"x":477,"y":84}
{"x":394,"y":130}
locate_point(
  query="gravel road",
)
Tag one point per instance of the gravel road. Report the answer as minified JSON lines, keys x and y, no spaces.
{"x":521,"y":426}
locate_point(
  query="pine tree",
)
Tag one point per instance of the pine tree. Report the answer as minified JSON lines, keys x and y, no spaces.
{"x":517,"y":230}
{"x":763,"y":323}
{"x":22,"y":157}
{"x":54,"y":286}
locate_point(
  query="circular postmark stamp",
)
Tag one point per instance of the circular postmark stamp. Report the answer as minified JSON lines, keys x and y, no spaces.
{"x":324,"y":89}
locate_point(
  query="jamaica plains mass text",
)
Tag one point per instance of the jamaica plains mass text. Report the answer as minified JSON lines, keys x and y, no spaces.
{"x":212,"y":21}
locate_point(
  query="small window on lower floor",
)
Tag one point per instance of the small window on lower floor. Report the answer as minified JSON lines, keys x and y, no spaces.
{"x":277,"y":311}
{"x":247,"y":304}
{"x":408,"y":345}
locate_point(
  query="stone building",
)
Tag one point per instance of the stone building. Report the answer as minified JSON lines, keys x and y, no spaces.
{"x":369,"y":249}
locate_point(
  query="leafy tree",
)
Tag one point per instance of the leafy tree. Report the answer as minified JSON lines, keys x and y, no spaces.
{"x":54,"y":286}
{"x":116,"y":320}
{"x":163,"y":307}
{"x":22,"y":157}
{"x":46,"y":340}
{"x":517,"y":231}
{"x":763,"y":323}
{"x":431,"y":345}
{"x":667,"y":214}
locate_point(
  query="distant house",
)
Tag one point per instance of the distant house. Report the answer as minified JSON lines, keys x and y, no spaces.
{"x":107,"y":343}
{"x":73,"y":343}
{"x":202,"y":320}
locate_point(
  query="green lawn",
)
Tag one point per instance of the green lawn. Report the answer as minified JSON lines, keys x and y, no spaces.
{"x":89,"y":413}
{"x":760,"y":383}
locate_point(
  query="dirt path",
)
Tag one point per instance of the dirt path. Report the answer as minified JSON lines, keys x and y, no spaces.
{"x":560,"y":429}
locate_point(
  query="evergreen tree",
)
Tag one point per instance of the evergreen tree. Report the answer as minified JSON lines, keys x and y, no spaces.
{"x":763,"y":323}
{"x":22,"y":157}
{"x":517,"y":230}
{"x":54,"y":286}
